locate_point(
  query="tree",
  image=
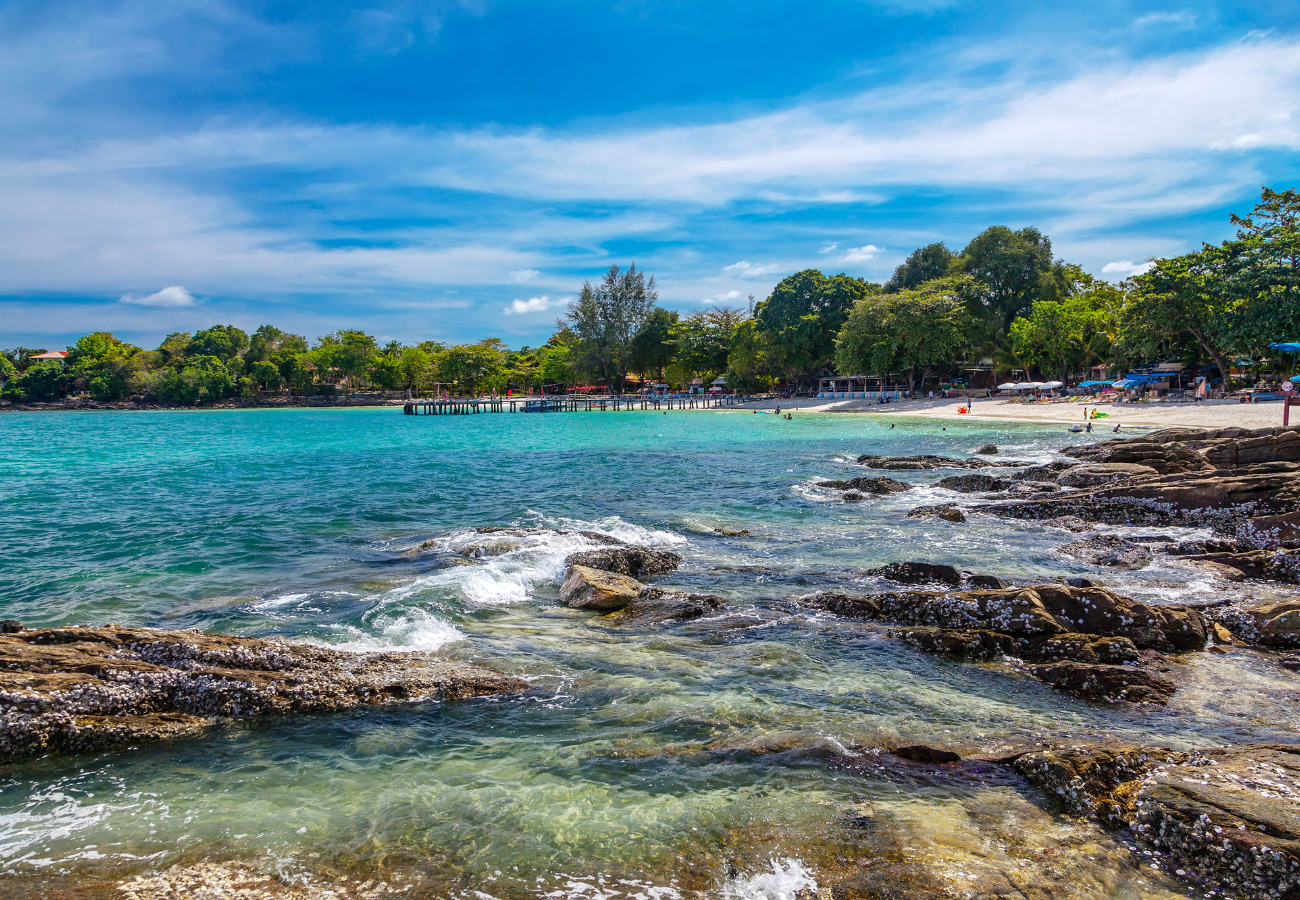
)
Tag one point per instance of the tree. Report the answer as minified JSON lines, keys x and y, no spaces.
{"x":469,"y":366}
{"x":224,"y":342}
{"x":606,"y":318}
{"x":416,"y":368}
{"x":1056,"y":334}
{"x":1012,"y":269}
{"x":653,"y":345}
{"x":268,"y":342}
{"x":203,"y":380}
{"x":43,"y":381}
{"x":266,"y":375}
{"x":747,"y":362}
{"x":802,"y":316}
{"x":927,"y":263}
{"x":102,"y":365}
{"x":908,"y":331}
{"x":1263,"y":264}
{"x":1186,"y":294}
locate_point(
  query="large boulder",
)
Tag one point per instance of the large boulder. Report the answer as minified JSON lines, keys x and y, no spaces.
{"x":1270,"y":532}
{"x":634,"y":562}
{"x":588,"y":588}
{"x":976,"y":483}
{"x":1092,"y":474}
{"x":83,"y":689}
{"x":918,"y":573}
{"x":1213,"y":498}
{"x":879,"y":485}
{"x":1228,"y":817}
{"x":1084,"y":779}
{"x":1260,"y":565}
{"x":1275,"y":624}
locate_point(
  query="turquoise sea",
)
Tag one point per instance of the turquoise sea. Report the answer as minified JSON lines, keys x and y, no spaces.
{"x":732,"y":756}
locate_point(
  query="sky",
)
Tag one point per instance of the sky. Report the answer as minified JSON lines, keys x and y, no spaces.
{"x":454,"y":169}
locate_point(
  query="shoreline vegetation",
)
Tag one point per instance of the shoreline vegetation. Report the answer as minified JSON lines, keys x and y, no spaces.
{"x":1220,"y":818}
{"x":1003,"y":307}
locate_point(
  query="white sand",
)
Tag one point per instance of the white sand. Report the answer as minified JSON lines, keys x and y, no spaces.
{"x":1211,"y":414}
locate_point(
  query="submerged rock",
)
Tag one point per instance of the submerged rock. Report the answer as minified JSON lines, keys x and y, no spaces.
{"x":949,"y":512}
{"x":1261,"y":565}
{"x":655,"y":605}
{"x":922,"y":463}
{"x":1100,"y":681}
{"x":81,"y":689}
{"x":1111,"y":550}
{"x":588,"y":588}
{"x":635,"y":562}
{"x":988,"y":449}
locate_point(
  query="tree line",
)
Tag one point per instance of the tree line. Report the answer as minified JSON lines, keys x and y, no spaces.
{"x":1004,"y":301}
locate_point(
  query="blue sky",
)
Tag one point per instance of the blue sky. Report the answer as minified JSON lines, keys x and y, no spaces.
{"x":454,"y":169}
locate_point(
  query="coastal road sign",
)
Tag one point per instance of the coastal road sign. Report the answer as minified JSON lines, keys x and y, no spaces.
{"x":1288,"y":387}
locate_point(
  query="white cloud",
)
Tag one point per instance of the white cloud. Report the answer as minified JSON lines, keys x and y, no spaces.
{"x":1165,"y":18}
{"x":861,"y":254}
{"x":747,"y":269}
{"x":829,"y":247}
{"x":724,"y":298}
{"x":522,"y":276}
{"x":531,"y":305}
{"x":169,"y":297}
{"x":1126,"y":268}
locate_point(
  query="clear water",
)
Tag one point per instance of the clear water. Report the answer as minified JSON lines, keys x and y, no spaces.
{"x":726,"y":757}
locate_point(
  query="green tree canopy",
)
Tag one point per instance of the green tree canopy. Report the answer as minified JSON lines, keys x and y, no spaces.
{"x":924,"y":264}
{"x":653,"y":344}
{"x":1011,"y":269}
{"x":1186,"y":294}
{"x":802,"y":316}
{"x":605,"y":319}
{"x":225,"y":342}
{"x":907,"y":332}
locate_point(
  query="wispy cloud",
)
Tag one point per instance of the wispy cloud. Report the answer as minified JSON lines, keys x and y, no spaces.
{"x":863,"y":253}
{"x":1126,"y":268}
{"x":747,"y":269}
{"x":169,"y":297}
{"x":829,"y":247}
{"x":1181,"y":17}
{"x":531,"y":305}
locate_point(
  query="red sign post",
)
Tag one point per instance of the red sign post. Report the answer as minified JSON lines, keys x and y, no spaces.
{"x":1288,"y":391}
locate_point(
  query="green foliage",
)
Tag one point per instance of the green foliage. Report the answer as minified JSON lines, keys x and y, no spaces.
{"x":470,"y":367}
{"x":221,"y":341}
{"x":1188,"y":294}
{"x":1011,"y":269}
{"x":907,"y":332}
{"x":925,"y":264}
{"x":266,"y":375}
{"x":653,"y":345}
{"x":204,"y":379}
{"x":748,"y":367}
{"x":42,"y":382}
{"x":802,"y":316}
{"x":605,"y":319}
{"x":702,"y":343}
{"x":1062,"y":336}
{"x":7,"y":368}
{"x":1264,"y":262}
{"x":102,"y":365}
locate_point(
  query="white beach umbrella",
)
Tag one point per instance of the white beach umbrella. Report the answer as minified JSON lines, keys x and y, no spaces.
{"x":1031,"y":386}
{"x":1009,"y":386}
{"x":1051,"y":385}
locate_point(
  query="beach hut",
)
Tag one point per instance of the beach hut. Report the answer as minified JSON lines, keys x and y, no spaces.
{"x":719,"y":385}
{"x":51,"y":356}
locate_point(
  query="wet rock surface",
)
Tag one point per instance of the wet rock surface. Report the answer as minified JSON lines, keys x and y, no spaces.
{"x":918,"y":573}
{"x":924,"y":463}
{"x":948,"y":512}
{"x":634,"y":562}
{"x":1091,"y":474}
{"x":1260,"y":565}
{"x":863,"y":485}
{"x":588,"y":588}
{"x":1086,"y":641}
{"x":235,"y":881}
{"x":1273,"y":624}
{"x":1110,"y":550}
{"x":82,"y":689}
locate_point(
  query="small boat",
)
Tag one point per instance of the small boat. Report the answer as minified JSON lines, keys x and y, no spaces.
{"x":1076,"y":428}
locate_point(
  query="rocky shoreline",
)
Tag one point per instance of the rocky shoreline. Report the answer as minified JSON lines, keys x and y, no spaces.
{"x":82,"y":689}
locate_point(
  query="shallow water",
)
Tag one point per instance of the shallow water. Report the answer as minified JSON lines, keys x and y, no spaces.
{"x":730,"y":756}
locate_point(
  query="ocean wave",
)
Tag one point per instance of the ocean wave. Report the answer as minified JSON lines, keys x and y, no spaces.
{"x":788,"y":879}
{"x":412,"y":629}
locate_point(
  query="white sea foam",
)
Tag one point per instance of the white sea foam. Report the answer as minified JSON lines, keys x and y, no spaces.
{"x":788,"y":879}
{"x":411,"y":629}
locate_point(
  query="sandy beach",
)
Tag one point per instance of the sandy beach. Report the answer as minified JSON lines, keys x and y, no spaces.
{"x":1212,"y":414}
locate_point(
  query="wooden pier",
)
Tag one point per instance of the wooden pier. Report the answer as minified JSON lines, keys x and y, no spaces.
{"x":475,"y":406}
